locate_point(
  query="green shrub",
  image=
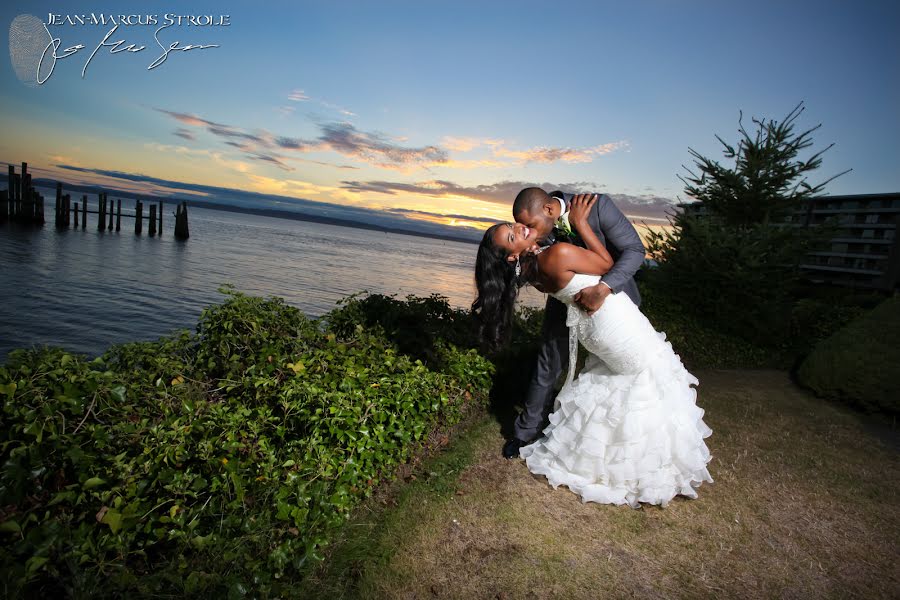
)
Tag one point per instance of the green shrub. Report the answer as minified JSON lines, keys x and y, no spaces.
{"x":813,"y":320}
{"x":700,"y":343}
{"x":860,"y":363}
{"x":422,"y":327}
{"x":740,"y":281}
{"x":417,"y":326}
{"x":215,"y":463}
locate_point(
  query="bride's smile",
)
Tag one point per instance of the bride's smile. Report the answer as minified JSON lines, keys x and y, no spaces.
{"x":515,"y":238}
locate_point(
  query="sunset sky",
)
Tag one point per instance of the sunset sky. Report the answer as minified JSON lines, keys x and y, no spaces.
{"x":433,"y":115}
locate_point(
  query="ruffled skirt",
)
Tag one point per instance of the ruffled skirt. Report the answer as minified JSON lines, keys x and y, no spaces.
{"x":626,"y":438}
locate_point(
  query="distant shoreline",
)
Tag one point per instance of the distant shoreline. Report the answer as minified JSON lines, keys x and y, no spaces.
{"x":267,"y":212}
{"x":284,"y":214}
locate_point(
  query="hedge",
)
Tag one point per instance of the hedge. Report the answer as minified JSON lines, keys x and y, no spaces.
{"x":217,"y":462}
{"x":860,"y":363}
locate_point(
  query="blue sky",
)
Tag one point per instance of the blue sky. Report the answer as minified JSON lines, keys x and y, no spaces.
{"x":431,"y":112}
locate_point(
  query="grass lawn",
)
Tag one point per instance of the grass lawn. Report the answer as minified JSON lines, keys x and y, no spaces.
{"x":805,"y":504}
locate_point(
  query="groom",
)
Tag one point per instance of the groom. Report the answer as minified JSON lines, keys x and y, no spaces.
{"x":547,"y":215}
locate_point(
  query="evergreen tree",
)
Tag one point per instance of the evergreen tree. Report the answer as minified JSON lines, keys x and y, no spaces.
{"x":768,"y":178}
{"x":737,"y":265}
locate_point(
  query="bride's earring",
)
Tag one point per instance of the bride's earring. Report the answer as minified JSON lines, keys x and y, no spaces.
{"x":518,"y":268}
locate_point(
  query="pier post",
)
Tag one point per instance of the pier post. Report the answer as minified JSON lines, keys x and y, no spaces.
{"x":27,"y":206}
{"x":41,"y":209}
{"x":11,"y":192}
{"x":151,"y":230}
{"x":58,"y":203}
{"x":160,"y":217}
{"x":118,"y":214}
{"x":181,"y":222}
{"x":4,"y":201}
{"x":111,"y":214}
{"x":138,"y":217}
{"x":15,"y":184}
{"x":84,"y":211}
{"x":66,"y":211}
{"x":25,"y":191}
{"x":75,"y":215}
{"x":101,"y":215}
{"x":19,"y":197}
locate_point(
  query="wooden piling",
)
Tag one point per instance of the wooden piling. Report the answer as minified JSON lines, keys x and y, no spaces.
{"x":160,"y":216}
{"x":84,"y":211}
{"x":118,"y":214}
{"x":4,"y":209}
{"x":25,"y":192}
{"x":111,"y":215}
{"x":75,"y":214}
{"x":151,"y":230}
{"x":184,"y":215}
{"x":58,"y":202}
{"x":184,"y":231}
{"x":13,"y":193}
{"x":10,"y":193}
{"x":101,"y":204}
{"x":138,"y":217}
{"x":27,"y":198}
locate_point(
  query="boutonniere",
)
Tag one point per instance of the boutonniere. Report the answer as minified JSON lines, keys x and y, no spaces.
{"x":562,"y":223}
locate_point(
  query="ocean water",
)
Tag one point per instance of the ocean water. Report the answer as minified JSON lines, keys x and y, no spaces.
{"x":85,"y":289}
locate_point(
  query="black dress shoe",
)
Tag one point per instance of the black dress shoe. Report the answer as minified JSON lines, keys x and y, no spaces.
{"x":511,"y":448}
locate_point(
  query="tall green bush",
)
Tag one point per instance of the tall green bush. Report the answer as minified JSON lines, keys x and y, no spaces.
{"x":736,"y":267}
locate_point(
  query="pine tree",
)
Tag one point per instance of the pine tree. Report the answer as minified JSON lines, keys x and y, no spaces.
{"x":737,"y":266}
{"x":768,"y":178}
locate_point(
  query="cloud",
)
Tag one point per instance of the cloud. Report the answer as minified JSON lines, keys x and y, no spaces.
{"x":184,"y":133}
{"x":650,"y":207}
{"x":381,"y":149}
{"x":301,"y":96}
{"x":425,"y":213}
{"x":343,"y":111}
{"x":185,"y":118}
{"x":551,"y":155}
{"x":289,"y":143}
{"x":341,"y":137}
{"x":272,"y":160}
{"x":503,"y":192}
{"x":460,"y":144}
{"x":375,"y":147}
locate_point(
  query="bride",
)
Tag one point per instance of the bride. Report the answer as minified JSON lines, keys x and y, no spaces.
{"x":626,"y":430}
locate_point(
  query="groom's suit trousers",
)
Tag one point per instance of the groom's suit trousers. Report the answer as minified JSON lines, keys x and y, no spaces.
{"x":624,"y":245}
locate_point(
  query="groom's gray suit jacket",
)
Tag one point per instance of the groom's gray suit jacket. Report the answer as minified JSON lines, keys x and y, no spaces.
{"x":624,"y":245}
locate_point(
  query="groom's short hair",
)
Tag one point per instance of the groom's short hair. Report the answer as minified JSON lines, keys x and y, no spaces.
{"x":530,"y":200}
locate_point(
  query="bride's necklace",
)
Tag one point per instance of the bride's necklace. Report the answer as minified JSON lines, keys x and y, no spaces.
{"x":540,"y":249}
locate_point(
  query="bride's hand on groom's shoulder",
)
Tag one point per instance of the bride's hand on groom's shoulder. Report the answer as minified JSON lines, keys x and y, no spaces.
{"x":580,"y":207}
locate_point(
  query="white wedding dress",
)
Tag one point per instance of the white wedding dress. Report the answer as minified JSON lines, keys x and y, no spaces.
{"x":626,"y":430}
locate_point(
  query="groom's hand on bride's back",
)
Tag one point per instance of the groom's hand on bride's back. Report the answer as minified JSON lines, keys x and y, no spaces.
{"x":590,"y":299}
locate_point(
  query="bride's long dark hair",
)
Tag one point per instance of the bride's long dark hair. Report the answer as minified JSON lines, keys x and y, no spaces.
{"x":498,"y":287}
